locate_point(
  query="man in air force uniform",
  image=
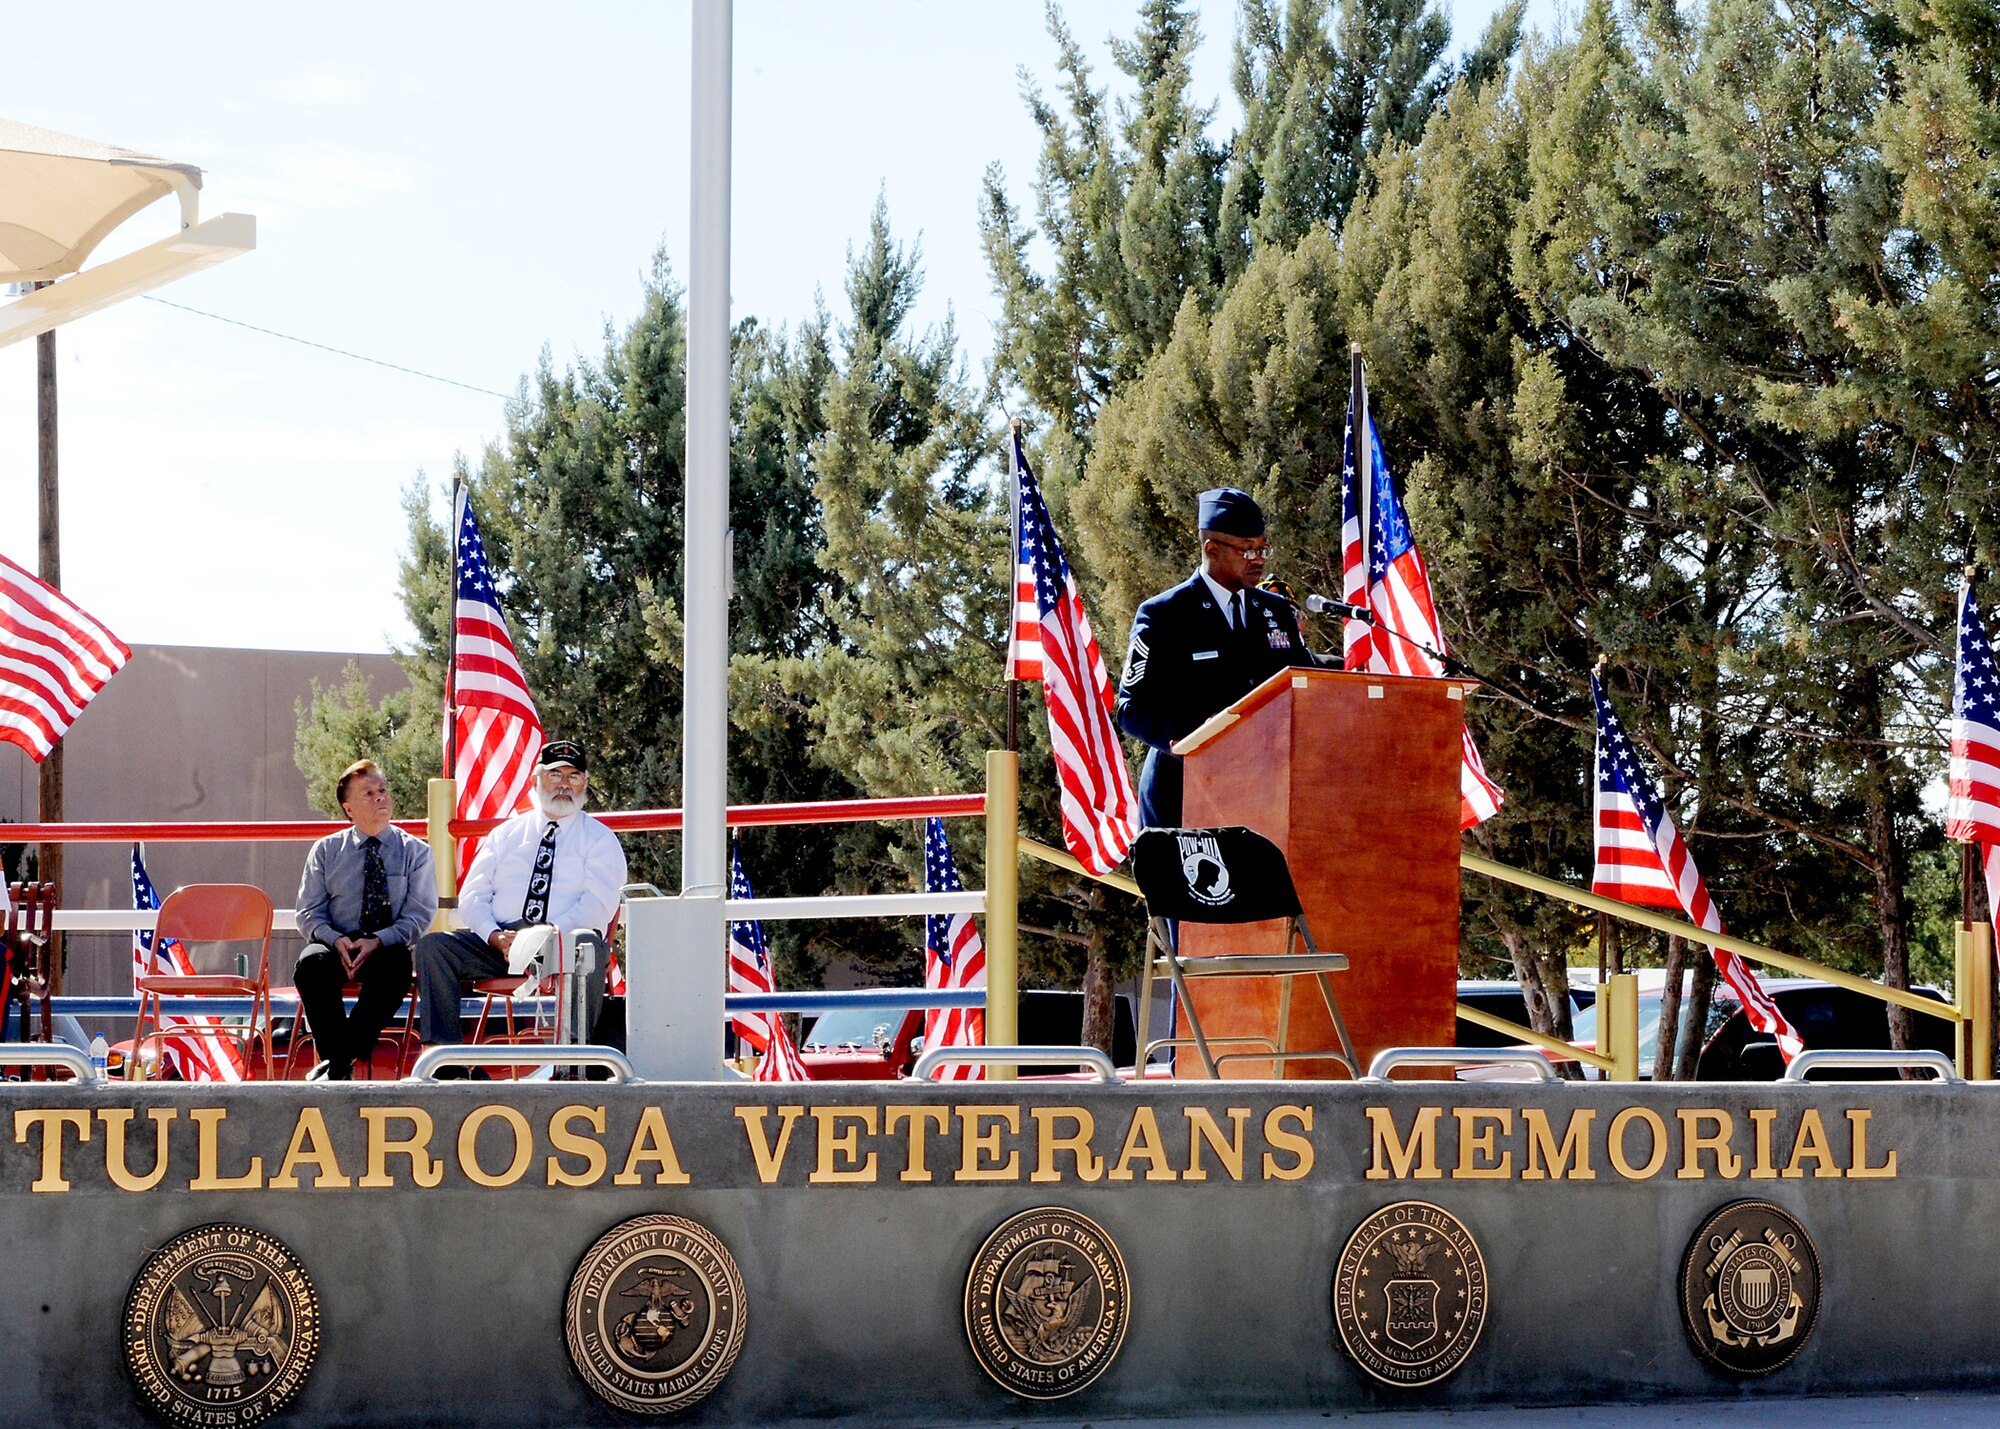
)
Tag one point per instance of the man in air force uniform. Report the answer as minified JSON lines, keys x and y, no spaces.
{"x":1203,"y":645}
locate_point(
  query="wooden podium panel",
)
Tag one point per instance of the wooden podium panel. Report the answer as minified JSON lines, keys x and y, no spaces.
{"x":1356,"y":777}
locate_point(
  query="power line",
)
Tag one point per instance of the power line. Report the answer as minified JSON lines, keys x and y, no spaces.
{"x":336,"y":351}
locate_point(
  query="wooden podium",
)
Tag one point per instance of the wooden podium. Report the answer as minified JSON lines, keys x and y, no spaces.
{"x":1356,"y":778}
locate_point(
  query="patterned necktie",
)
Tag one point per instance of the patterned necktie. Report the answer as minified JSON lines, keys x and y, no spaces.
{"x":536,"y":908}
{"x":375,"y":912}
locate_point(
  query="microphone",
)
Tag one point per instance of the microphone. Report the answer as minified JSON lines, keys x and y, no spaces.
{"x":1321,"y":605}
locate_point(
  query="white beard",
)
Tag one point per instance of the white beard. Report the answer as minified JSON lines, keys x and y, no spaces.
{"x":555,"y":806}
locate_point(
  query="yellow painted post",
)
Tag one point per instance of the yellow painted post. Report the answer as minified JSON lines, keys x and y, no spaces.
{"x":1003,"y":893}
{"x":442,"y":805}
{"x":1973,"y":979}
{"x":1619,"y":1021}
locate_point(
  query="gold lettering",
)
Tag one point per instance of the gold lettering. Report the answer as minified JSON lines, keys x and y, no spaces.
{"x":1761,"y":1118}
{"x":836,"y":1142}
{"x":1728,"y":1165}
{"x":425,"y":1169}
{"x":653,"y":1142}
{"x":208,"y":1155}
{"x":976,"y":1144}
{"x":116,"y":1120}
{"x":1143,"y":1142}
{"x":1477,"y":1160}
{"x":1089,"y":1165}
{"x":468,"y":1146}
{"x":920,"y":1118}
{"x":1858,"y":1167}
{"x":1283,"y":1140}
{"x":1811,"y":1144}
{"x":1542,"y":1146}
{"x":311,"y":1146}
{"x":51,"y":1124}
{"x":568,"y":1143}
{"x":768,"y":1158}
{"x":1204,"y":1128}
{"x":1421,"y":1148}
{"x":1615,"y":1143}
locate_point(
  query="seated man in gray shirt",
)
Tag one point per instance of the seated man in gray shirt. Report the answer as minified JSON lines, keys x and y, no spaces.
{"x":368,"y":893}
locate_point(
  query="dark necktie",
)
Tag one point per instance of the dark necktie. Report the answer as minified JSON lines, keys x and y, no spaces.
{"x":375,"y":911}
{"x":1242,"y":616}
{"x":536,"y":908}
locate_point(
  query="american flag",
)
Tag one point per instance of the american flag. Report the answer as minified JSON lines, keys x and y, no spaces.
{"x":1052,"y":642}
{"x":953,"y":958}
{"x":750,"y":971}
{"x":200,"y":1055}
{"x":497,"y":732}
{"x":54,"y":657}
{"x":1642,"y":858}
{"x":1972,"y":808}
{"x":1382,"y":570}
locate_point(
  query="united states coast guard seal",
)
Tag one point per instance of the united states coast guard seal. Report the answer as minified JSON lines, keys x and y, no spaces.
{"x":655,"y":1315}
{"x":1750,"y":1288}
{"x":221,"y":1327}
{"x":1409,"y":1294}
{"x":1047,"y":1302}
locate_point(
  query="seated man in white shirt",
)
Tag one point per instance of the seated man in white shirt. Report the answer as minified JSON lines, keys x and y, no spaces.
{"x":553,"y":865}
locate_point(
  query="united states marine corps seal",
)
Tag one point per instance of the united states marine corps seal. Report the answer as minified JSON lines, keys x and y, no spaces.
{"x":221,"y":1327}
{"x":1046,"y":1303}
{"x":655,"y":1315}
{"x":1409,"y":1294}
{"x":1750,"y":1288}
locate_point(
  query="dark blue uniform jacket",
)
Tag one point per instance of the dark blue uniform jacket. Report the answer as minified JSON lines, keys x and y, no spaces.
{"x":1185,"y":663}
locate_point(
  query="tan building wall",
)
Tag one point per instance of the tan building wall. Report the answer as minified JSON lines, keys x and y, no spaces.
{"x":185,"y":733}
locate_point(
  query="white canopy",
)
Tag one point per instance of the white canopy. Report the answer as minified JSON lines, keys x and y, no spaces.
{"x":60,"y":196}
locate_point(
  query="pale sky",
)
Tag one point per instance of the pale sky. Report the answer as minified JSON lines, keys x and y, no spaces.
{"x":450,"y":188}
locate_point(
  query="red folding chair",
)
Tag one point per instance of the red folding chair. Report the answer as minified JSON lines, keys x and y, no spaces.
{"x":213,"y":913}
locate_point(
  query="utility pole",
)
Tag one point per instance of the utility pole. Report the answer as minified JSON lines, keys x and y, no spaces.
{"x":49,"y":781}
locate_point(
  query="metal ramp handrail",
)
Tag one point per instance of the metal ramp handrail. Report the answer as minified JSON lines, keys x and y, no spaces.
{"x":928,"y":1064}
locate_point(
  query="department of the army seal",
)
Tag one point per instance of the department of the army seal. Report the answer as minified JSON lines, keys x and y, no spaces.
{"x":655,"y":1315}
{"x":1409,"y":1294}
{"x":1046,"y":1303}
{"x":1750,"y":1288}
{"x":221,"y":1327}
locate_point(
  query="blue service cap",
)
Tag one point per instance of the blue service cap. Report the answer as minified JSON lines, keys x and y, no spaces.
{"x":1232,"y":512}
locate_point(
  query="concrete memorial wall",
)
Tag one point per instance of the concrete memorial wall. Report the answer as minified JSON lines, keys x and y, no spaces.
{"x":550,"y":1253}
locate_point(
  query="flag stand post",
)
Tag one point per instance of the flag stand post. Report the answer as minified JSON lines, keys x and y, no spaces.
{"x":442,"y":801}
{"x":1620,"y":1024}
{"x":1003,"y":891}
{"x":1972,"y":979}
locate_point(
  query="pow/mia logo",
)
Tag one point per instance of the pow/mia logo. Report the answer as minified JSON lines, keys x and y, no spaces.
{"x":1202,"y":866}
{"x":1750,"y":1288}
{"x":221,"y":1326}
{"x":1046,"y":1303}
{"x":655,"y":1315}
{"x":1409,"y":1294}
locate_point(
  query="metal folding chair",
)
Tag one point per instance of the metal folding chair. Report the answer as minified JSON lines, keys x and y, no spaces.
{"x":213,"y":913}
{"x":1229,"y":876}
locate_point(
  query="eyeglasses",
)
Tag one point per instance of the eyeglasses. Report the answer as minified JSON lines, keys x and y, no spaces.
{"x":1253,"y":551}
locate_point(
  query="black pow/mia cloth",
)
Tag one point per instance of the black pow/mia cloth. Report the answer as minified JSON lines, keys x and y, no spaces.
{"x":535,"y":908}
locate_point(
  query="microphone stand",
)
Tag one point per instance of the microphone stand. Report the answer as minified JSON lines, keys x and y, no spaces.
{"x":1450,"y":664}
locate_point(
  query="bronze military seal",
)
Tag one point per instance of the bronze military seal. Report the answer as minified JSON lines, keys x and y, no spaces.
{"x":221,"y":1327}
{"x":655,"y":1314}
{"x":1750,"y":1288}
{"x":1046,"y":1303}
{"x":1409,"y":1294}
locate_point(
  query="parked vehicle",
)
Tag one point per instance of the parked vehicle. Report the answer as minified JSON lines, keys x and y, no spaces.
{"x":861,"y":1045}
{"x":1499,"y":999}
{"x":1825,"y":1015}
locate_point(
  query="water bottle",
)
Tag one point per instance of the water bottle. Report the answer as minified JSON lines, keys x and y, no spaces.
{"x":100,"y":1057}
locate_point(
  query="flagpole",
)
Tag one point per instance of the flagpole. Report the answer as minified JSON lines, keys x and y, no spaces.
{"x":1364,"y":493}
{"x":451,"y":637}
{"x":1968,"y":856}
{"x":1013,"y":585}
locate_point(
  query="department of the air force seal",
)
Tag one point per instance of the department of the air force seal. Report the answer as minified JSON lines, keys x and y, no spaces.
{"x":1750,"y":1288}
{"x":655,"y":1314}
{"x":1047,"y":1302}
{"x":1409,"y":1294}
{"x":221,"y":1327}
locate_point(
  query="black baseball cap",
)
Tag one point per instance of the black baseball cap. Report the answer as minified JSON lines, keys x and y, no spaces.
{"x":563,"y":751}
